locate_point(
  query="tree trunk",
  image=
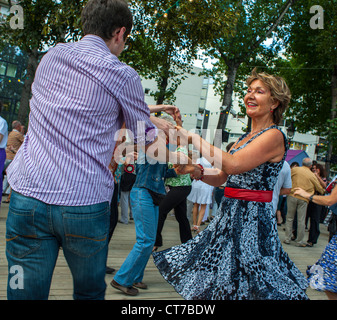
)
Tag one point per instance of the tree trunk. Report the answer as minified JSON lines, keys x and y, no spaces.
{"x":227,"y":100}
{"x":26,"y":90}
{"x":228,"y":93}
{"x":162,"y":89}
{"x":333,"y":116}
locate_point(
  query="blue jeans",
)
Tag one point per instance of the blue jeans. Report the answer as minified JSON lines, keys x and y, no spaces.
{"x":35,"y":231}
{"x":145,"y":215}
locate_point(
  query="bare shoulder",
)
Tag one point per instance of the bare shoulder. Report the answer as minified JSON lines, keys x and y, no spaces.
{"x":273,"y":136}
{"x":272,"y":143}
{"x":275,"y":132}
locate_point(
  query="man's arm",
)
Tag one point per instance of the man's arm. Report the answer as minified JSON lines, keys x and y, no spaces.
{"x":284,"y":191}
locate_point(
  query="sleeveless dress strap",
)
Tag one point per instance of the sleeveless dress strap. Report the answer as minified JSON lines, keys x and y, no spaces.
{"x":274,"y":126}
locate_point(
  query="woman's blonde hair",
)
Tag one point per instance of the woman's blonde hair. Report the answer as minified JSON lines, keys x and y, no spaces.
{"x":279,"y":90}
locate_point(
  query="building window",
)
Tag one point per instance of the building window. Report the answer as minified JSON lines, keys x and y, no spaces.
{"x":2,"y":68}
{"x":203,"y":94}
{"x":6,"y":105}
{"x":147,"y":91}
{"x":8,"y":69}
{"x":202,"y":105}
{"x":199,"y":123}
{"x":11,"y":70}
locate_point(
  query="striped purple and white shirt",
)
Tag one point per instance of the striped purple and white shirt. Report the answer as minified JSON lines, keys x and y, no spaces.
{"x":81,"y":95}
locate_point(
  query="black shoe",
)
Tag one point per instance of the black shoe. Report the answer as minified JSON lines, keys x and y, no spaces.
{"x":109,"y":270}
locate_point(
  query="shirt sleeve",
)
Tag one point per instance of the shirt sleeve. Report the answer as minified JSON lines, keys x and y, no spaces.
{"x":287,"y":181}
{"x":136,"y":112}
{"x":317,"y":185}
{"x":3,"y":127}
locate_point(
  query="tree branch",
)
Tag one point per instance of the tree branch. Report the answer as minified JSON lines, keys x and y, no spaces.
{"x":271,"y":28}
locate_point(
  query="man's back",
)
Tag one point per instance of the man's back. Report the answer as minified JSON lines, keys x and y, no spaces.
{"x":81,"y":95}
{"x":304,"y":178}
{"x":14,"y":142}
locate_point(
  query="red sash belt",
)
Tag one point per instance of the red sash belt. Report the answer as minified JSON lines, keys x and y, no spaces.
{"x":249,"y":195}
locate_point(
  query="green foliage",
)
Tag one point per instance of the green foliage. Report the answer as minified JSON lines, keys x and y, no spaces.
{"x":167,"y":35}
{"x":313,"y":62}
{"x":46,"y":22}
{"x":257,"y":21}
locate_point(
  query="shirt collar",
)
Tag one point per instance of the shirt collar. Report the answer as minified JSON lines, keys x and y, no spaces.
{"x":95,"y":40}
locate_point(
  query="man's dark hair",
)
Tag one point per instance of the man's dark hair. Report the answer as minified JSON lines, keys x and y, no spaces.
{"x":0,"y":106}
{"x":103,"y":17}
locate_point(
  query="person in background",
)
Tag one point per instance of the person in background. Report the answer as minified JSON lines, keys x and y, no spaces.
{"x":14,"y":142}
{"x":146,"y":195}
{"x":127,"y":180}
{"x":3,"y":144}
{"x":179,"y":188}
{"x":219,"y":191}
{"x":282,"y":188}
{"x":301,"y":177}
{"x":201,"y":196}
{"x":314,"y":211}
{"x":322,"y":276}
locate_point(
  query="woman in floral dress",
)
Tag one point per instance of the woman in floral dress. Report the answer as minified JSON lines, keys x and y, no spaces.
{"x":239,"y":255}
{"x":322,"y":276}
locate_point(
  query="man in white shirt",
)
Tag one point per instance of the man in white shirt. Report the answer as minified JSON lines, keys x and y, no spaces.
{"x":281,"y":188}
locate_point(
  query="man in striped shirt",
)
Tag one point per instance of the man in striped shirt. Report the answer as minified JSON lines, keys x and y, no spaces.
{"x":61,"y":183}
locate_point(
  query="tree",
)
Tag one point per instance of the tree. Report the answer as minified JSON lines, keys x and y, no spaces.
{"x":258,"y":21}
{"x":167,"y":35}
{"x":46,"y":22}
{"x":313,"y":73}
{"x":11,"y":87}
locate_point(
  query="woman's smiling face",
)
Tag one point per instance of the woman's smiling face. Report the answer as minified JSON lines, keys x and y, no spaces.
{"x":258,"y":100}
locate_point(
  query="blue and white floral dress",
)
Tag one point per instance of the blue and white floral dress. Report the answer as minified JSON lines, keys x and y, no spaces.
{"x":239,"y":255}
{"x":322,"y":276}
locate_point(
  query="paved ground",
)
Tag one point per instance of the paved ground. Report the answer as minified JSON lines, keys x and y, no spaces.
{"x":121,"y":244}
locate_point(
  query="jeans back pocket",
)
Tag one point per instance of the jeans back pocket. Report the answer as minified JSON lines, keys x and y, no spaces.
{"x":86,"y":233}
{"x":21,"y":236}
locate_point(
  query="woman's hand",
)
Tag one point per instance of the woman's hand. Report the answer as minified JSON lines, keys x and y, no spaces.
{"x":184,"y":168}
{"x":162,"y":124}
{"x":302,"y":193}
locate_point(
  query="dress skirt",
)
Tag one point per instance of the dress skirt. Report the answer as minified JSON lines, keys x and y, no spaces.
{"x":237,"y":257}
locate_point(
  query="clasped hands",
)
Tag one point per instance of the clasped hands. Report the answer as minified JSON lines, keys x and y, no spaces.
{"x":183,"y":137}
